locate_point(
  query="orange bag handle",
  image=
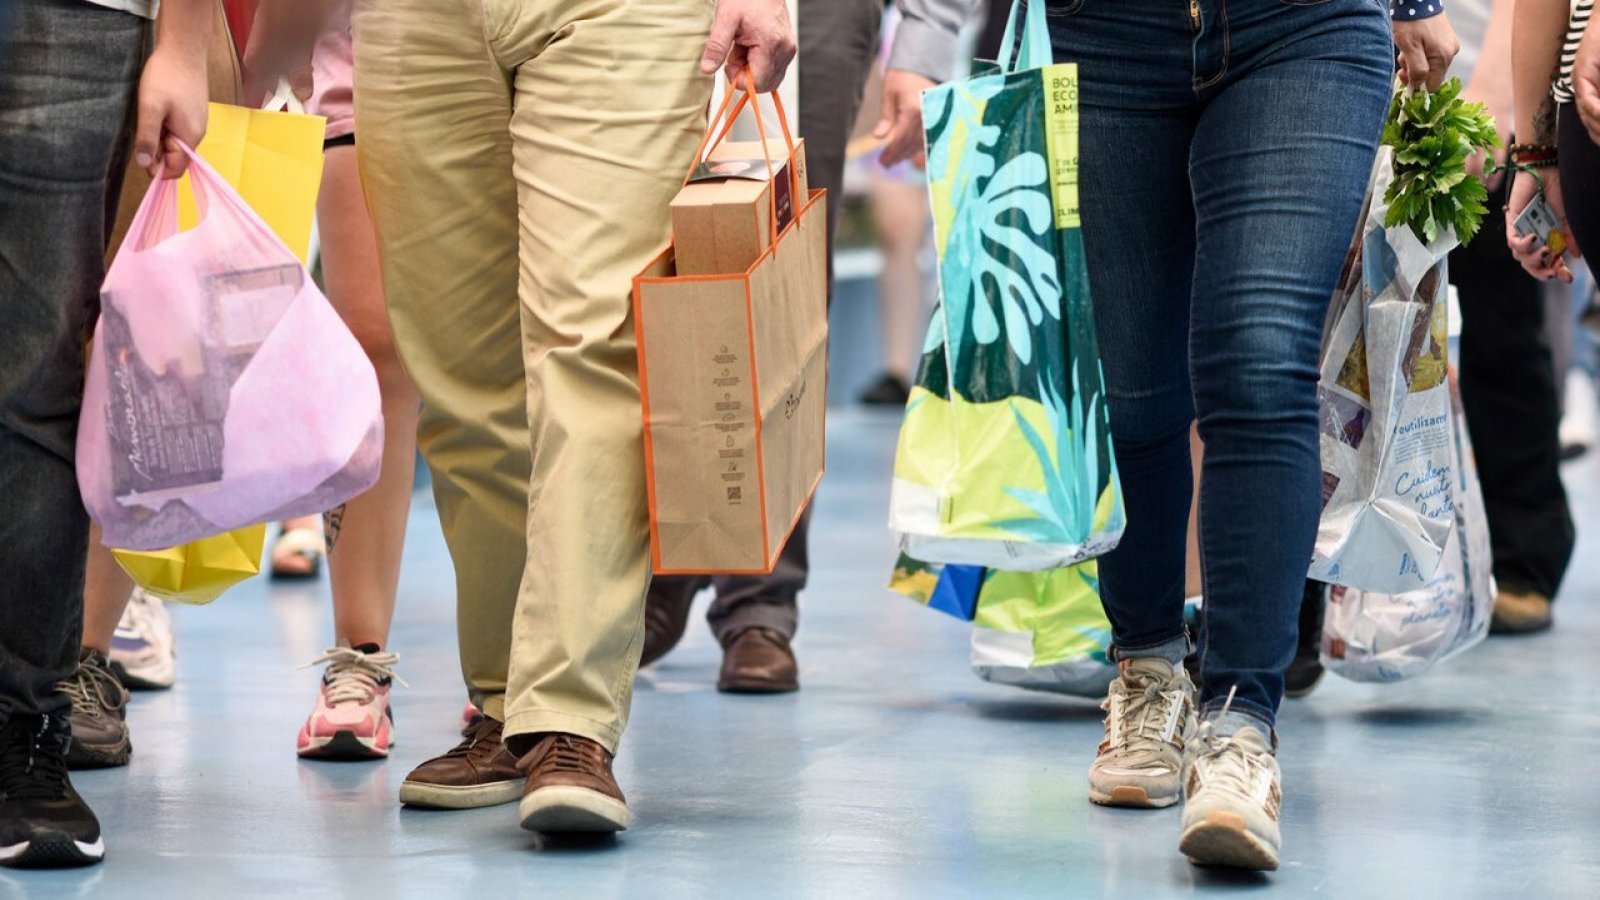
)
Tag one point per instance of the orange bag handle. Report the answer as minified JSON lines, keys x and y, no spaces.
{"x":726,"y":115}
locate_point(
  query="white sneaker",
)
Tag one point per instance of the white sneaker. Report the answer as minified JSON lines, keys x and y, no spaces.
{"x":1150,"y":714}
{"x":1580,"y":423}
{"x":1230,"y":810}
{"x":144,"y":652}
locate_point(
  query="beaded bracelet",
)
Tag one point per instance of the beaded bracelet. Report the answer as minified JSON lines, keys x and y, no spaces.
{"x":1537,"y":156}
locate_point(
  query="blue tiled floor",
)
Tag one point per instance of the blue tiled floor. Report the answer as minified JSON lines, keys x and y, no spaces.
{"x":893,"y":773}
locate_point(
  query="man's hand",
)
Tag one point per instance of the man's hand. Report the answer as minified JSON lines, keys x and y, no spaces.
{"x":1426,"y":47}
{"x":172,"y":107}
{"x":753,"y":35}
{"x":1528,"y":250}
{"x":1586,"y":80}
{"x":900,"y":129}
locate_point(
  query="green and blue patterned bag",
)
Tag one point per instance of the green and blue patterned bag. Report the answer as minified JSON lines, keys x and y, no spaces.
{"x":1005,"y":452}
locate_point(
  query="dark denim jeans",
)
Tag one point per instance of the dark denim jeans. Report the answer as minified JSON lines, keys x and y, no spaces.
{"x":1223,"y":161}
{"x":67,"y":85}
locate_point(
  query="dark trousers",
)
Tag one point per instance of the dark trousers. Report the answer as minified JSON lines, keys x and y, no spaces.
{"x":838,"y":42}
{"x":67,"y":88}
{"x":1508,"y":389}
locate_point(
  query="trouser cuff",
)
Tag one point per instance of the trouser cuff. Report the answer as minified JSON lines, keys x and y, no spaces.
{"x":541,"y":721}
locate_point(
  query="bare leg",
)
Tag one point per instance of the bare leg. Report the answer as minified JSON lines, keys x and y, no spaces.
{"x":367,"y":535}
{"x":900,"y":213}
{"x":105,"y":593}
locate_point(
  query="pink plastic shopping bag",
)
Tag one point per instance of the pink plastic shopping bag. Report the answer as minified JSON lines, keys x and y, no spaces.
{"x":223,"y":390}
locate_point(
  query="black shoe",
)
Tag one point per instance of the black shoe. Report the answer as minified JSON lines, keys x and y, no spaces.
{"x":890,"y":390}
{"x":43,"y":821}
{"x":1306,"y":668}
{"x":99,"y":714}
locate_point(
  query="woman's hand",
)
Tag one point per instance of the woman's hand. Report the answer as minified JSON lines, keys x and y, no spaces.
{"x":172,"y":107}
{"x":1426,"y":47}
{"x":281,"y":41}
{"x":900,"y":127}
{"x":1529,"y":250}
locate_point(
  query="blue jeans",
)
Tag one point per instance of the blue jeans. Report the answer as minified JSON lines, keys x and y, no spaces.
{"x":1223,"y":167}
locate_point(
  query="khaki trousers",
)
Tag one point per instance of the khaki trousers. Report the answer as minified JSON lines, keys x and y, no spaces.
{"x":518,"y":158}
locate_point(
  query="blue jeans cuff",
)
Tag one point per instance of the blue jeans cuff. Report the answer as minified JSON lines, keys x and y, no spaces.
{"x":1173,"y":650}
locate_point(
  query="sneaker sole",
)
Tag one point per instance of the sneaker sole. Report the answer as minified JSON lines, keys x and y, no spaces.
{"x":1130,"y":797}
{"x":445,"y":796}
{"x":757,"y":686}
{"x":1221,"y":839}
{"x":140,"y":683}
{"x":51,"y":850}
{"x":344,"y":745}
{"x":555,"y":810}
{"x":92,"y":756}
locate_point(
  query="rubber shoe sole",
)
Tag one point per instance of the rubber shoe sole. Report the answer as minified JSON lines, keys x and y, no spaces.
{"x":99,"y":756}
{"x":1221,"y":839}
{"x":1131,"y":797}
{"x":52,"y":850}
{"x":563,"y":809}
{"x":447,"y":796}
{"x":344,"y":745}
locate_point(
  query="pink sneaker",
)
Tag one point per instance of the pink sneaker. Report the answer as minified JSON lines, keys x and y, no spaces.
{"x":352,"y":719}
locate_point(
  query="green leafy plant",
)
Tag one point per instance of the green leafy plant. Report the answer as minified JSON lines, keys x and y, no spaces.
{"x":1433,"y":135}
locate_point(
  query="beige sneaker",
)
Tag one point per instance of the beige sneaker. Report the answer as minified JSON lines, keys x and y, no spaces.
{"x":1150,"y":714}
{"x":1230,"y":814}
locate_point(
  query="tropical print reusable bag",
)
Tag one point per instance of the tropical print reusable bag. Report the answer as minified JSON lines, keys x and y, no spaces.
{"x":1005,"y":453}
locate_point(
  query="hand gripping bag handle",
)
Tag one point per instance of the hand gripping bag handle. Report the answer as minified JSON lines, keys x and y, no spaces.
{"x":726,"y":115}
{"x":1035,"y":51}
{"x":157,"y":216}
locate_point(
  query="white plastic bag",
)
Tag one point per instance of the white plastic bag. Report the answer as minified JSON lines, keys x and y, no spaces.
{"x":1387,"y":482}
{"x":1369,"y":636}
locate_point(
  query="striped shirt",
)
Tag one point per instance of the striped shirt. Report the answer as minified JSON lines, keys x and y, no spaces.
{"x":1562,"y":90}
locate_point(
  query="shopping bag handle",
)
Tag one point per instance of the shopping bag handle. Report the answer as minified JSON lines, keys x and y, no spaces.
{"x":283,"y":98}
{"x":725,"y":116}
{"x":157,"y":217}
{"x":1035,"y":51}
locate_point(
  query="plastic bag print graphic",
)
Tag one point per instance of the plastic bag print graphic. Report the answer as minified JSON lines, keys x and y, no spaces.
{"x":184,"y":433}
{"x":166,"y":425}
{"x":1005,"y":452}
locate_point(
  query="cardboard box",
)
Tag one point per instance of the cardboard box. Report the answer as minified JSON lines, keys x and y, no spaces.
{"x":721,"y":219}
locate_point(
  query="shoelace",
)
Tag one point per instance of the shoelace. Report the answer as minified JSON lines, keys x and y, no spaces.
{"x":94,"y":689}
{"x":1143,"y":715}
{"x":1230,"y":765}
{"x":480,"y":734}
{"x":569,"y":754}
{"x":30,"y":769}
{"x":353,"y":676}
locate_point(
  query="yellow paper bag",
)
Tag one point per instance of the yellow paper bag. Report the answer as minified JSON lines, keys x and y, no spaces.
{"x":274,"y":161}
{"x":200,"y":571}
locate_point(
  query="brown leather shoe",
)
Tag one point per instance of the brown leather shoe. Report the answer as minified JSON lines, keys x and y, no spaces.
{"x":479,"y":771}
{"x":1518,"y":612}
{"x":758,"y":661}
{"x":666,"y":613}
{"x":570,"y":787}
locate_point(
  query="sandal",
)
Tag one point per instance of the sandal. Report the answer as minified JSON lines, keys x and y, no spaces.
{"x":297,"y":554}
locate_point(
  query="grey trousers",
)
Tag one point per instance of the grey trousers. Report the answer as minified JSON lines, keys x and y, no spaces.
{"x":838,"y":42}
{"x":67,"y":90}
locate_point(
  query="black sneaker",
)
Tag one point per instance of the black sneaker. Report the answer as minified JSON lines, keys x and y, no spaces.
{"x":43,"y":821}
{"x":890,"y":390}
{"x":99,"y":714}
{"x":1305,"y":670}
